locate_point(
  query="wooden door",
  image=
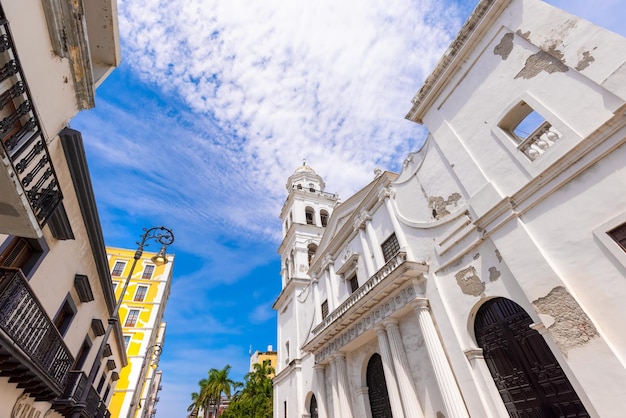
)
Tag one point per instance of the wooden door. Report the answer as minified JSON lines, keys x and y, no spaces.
{"x":526,"y":373}
{"x":377,"y":388}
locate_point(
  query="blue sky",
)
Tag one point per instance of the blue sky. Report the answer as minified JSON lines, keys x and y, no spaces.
{"x":216,"y":104}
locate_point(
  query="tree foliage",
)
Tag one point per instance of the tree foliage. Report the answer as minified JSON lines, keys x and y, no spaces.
{"x":209,"y":397}
{"x":254,"y":400}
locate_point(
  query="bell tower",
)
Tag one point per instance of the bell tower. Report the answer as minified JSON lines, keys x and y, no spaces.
{"x":304,"y":217}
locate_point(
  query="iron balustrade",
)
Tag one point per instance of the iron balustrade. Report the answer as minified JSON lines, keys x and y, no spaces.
{"x":379,"y":276}
{"x":24,"y":321}
{"x":93,"y":407}
{"x":21,"y":136}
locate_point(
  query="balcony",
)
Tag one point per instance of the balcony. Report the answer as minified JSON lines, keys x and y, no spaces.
{"x":29,"y":189}
{"x":390,"y":276}
{"x":69,"y":401}
{"x":32,"y":352}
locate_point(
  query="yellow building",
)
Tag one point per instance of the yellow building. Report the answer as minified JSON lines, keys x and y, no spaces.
{"x":141,"y":317}
{"x":258,"y":357}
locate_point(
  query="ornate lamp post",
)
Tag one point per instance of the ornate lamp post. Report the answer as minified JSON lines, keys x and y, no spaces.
{"x":150,"y":360}
{"x":165,"y":237}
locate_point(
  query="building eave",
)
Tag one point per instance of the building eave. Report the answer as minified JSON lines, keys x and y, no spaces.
{"x":72,"y":143}
{"x":472,"y":31}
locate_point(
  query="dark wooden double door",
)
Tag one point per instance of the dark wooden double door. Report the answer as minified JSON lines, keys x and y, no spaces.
{"x":526,"y":373}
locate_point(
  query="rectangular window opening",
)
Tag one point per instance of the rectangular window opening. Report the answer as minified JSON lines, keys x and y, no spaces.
{"x":65,"y":315}
{"x":619,"y":235}
{"x":325,"y":309}
{"x":147,"y":272}
{"x":140,"y":295}
{"x":354,"y":284}
{"x":82,"y":354}
{"x":529,"y":130}
{"x":118,"y":269}
{"x":131,"y":319}
{"x":22,"y":253}
{"x":390,"y":247}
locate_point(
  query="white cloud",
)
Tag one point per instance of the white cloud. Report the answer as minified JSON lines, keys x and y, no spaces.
{"x":326,"y":81}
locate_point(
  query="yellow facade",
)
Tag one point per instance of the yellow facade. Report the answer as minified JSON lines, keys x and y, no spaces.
{"x":261,"y":356}
{"x":141,"y":317}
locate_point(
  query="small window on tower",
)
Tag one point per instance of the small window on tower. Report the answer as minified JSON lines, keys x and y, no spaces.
{"x":324,"y":217}
{"x":312,"y":248}
{"x":311,"y":187}
{"x":310,"y":215}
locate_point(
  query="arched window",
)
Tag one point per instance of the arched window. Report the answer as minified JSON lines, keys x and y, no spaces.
{"x":526,"y":373}
{"x":324,"y":217}
{"x":310,"y":215}
{"x":312,"y":248}
{"x":311,"y":187}
{"x":299,"y":187}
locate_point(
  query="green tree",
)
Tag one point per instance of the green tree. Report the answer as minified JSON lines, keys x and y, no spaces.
{"x":209,"y":397}
{"x":219,"y":384}
{"x":255,"y":399}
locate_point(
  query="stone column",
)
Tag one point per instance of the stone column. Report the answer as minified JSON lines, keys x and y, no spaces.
{"x":344,"y":386}
{"x":486,"y":387}
{"x":412,"y":407}
{"x":390,"y":375}
{"x":452,"y":399}
{"x":378,"y":251}
{"x":321,"y":389}
{"x":334,"y":387}
{"x":369,"y":264}
{"x":329,"y":276}
{"x":363,"y":395}
{"x":316,"y":300}
{"x":385,"y":196}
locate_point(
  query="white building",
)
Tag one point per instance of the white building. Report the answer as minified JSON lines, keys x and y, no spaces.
{"x":55,"y":289}
{"x":486,"y":279}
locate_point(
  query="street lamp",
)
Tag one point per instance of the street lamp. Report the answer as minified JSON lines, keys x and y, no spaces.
{"x":165,"y":237}
{"x":152,"y":355}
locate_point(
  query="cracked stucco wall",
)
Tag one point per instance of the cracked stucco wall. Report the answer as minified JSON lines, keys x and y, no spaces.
{"x":572,"y":327}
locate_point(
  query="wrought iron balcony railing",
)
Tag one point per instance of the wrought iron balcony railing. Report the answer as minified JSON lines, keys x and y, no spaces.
{"x":37,"y":357}
{"x":69,"y":401}
{"x":21,"y":136}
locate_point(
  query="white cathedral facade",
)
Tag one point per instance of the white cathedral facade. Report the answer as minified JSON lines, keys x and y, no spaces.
{"x":488,"y":278}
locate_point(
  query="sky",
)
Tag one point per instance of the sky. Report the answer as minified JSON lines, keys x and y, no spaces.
{"x":214,"y":106}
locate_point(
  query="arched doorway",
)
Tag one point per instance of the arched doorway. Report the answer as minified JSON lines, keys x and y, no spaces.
{"x":313,"y":407}
{"x":377,"y":388}
{"x":526,"y":373}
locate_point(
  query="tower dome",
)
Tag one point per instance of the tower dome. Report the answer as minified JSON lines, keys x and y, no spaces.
{"x":305,"y":178}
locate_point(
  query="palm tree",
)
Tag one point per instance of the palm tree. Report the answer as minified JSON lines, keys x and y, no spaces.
{"x":219,"y":383}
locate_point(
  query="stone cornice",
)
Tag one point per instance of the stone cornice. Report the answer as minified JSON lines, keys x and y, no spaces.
{"x":374,"y":318}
